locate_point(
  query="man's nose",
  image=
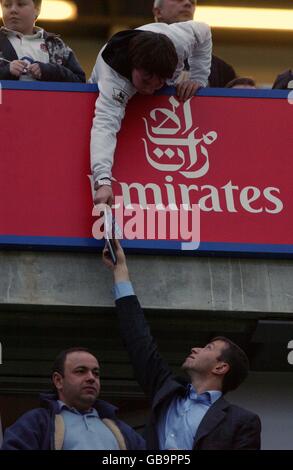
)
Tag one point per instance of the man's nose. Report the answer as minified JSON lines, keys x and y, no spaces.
{"x":91,"y":377}
{"x":195,"y":350}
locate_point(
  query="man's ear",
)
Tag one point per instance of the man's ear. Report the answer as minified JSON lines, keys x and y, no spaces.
{"x":157,"y":14}
{"x":57,"y":380}
{"x":222,"y":368}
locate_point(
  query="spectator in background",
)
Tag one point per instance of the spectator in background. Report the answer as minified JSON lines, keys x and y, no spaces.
{"x":172,"y":11}
{"x":141,"y":61}
{"x":186,"y":414}
{"x":72,"y":418}
{"x":284,"y":81}
{"x":27,"y":52}
{"x":241,"y":82}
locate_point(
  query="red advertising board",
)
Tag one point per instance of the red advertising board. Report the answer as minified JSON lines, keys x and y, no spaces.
{"x":229,"y":152}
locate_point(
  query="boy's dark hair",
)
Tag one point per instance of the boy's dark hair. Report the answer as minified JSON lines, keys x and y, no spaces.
{"x":59,"y":362}
{"x":154,"y":53}
{"x":241,"y":81}
{"x":238,"y":362}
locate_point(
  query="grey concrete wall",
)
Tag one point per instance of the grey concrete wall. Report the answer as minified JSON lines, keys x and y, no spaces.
{"x":270,"y":396}
{"x":166,"y":282}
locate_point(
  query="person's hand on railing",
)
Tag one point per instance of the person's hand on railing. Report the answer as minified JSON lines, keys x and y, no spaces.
{"x":186,"y":89}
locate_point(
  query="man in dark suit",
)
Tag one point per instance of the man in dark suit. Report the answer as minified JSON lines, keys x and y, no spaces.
{"x":174,"y":11}
{"x":185,"y":414}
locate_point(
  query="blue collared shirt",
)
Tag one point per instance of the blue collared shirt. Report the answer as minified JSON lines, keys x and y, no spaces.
{"x":86,"y":431}
{"x":178,"y":426}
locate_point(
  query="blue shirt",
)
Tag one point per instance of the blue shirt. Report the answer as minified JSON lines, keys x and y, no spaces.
{"x":178,"y":425}
{"x":123,"y":289}
{"x":86,"y":431}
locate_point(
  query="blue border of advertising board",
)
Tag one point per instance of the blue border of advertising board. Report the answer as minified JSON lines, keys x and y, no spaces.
{"x":149,"y":246}
{"x":60,"y":243}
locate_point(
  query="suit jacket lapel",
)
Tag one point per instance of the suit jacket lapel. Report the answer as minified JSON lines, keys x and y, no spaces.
{"x":212,"y":418}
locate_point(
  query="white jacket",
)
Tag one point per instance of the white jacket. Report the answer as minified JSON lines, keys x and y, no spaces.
{"x":192,"y":41}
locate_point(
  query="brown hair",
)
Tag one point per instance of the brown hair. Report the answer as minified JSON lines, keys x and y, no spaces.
{"x":236,"y":358}
{"x":154,"y":53}
{"x":59,"y":362}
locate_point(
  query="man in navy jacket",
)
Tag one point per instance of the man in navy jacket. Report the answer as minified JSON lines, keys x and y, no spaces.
{"x":185,"y":414}
{"x":72,"y":418}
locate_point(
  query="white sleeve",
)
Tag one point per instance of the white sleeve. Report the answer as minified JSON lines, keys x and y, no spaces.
{"x":114,"y":93}
{"x":201,"y":55}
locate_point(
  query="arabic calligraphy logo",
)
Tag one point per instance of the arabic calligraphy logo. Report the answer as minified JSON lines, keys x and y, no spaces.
{"x":168,"y":134}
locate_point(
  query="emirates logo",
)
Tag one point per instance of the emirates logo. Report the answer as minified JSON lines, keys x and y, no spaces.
{"x":173,"y":144}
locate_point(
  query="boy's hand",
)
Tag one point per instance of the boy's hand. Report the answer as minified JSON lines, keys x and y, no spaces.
{"x":35,"y":71}
{"x":186,"y":89}
{"x":104,"y":195}
{"x":17,"y":67}
{"x":120,"y":270}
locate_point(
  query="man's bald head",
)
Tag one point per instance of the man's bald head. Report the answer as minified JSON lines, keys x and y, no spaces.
{"x":173,"y":11}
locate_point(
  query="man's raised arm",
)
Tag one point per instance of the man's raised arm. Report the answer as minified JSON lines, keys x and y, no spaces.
{"x":150,"y":369}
